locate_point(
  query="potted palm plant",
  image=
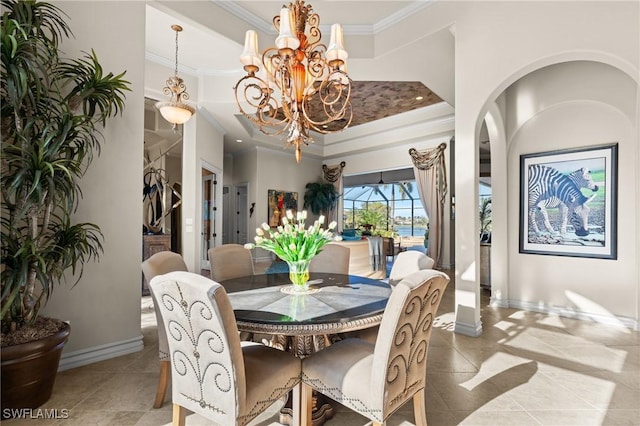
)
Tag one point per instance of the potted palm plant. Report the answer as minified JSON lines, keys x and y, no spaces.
{"x":320,"y":197}
{"x":52,"y":110}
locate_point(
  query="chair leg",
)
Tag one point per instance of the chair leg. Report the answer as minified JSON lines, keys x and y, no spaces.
{"x":163,"y":382}
{"x":419,"y":408}
{"x":296,"y":404}
{"x":179,"y":415}
{"x":306,"y":404}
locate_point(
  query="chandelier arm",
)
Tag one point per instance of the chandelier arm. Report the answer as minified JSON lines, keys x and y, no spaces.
{"x":313,"y":21}
{"x":314,"y":90}
{"x":335,"y":99}
{"x":254,"y":91}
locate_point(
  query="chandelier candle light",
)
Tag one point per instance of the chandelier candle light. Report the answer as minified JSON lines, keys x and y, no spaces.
{"x":294,"y":244}
{"x":300,"y":85}
{"x":174,"y":110}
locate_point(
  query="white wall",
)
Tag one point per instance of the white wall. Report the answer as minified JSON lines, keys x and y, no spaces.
{"x":202,"y":147}
{"x":104,"y":308}
{"x":496,"y":44}
{"x":595,"y":107}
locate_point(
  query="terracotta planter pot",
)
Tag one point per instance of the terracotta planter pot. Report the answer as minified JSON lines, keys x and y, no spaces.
{"x":29,"y":371}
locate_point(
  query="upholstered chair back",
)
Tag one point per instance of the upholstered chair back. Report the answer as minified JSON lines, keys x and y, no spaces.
{"x":375,"y":379}
{"x":230,"y":261}
{"x":333,"y":258}
{"x":408,"y":262}
{"x":158,"y":264}
{"x":400,"y":355}
{"x":212,"y":375}
{"x":207,"y":366}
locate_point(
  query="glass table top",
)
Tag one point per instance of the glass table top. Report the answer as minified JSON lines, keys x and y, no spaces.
{"x":336,"y":299}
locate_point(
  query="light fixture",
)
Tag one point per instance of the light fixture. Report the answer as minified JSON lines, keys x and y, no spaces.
{"x":300,"y":85}
{"x":174,"y":110}
{"x":380,"y":182}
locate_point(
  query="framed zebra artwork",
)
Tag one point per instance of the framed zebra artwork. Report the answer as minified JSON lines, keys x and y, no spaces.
{"x":568,"y":202}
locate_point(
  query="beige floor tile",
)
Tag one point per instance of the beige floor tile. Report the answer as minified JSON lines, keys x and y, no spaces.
{"x":491,"y":418}
{"x":622,"y":417}
{"x":568,"y":417}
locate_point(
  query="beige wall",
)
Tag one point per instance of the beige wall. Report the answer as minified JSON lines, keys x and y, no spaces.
{"x":104,"y":308}
{"x":279,"y":170}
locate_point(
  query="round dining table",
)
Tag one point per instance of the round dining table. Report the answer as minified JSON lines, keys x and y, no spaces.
{"x":335,"y":303}
{"x":306,"y":323}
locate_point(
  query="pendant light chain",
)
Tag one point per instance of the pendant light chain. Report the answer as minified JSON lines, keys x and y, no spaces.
{"x":177,"y":31}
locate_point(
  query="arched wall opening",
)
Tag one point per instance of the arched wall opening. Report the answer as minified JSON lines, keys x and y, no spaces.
{"x":566,"y":105}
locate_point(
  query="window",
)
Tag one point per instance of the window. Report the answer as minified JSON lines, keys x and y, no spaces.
{"x":394,"y":207}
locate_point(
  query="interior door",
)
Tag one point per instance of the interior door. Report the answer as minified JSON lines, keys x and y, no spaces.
{"x":209,"y":209}
{"x":227,"y":216}
{"x":241,"y":214}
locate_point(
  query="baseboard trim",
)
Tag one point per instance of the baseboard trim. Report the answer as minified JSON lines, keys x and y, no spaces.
{"x":612,"y":320}
{"x":100,"y":353}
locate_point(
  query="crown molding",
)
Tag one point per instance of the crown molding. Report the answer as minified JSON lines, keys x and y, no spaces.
{"x":236,"y":9}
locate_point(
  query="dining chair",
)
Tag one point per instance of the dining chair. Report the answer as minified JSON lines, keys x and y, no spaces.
{"x":333,"y":258}
{"x":230,"y":261}
{"x":158,"y":264}
{"x":212,"y":374}
{"x":377,"y":379}
{"x":407,"y":263}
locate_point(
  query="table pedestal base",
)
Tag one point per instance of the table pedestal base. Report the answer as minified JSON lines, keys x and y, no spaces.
{"x":302,"y":347}
{"x":321,"y":412}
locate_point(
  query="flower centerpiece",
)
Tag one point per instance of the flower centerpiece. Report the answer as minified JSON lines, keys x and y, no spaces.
{"x":294,"y":243}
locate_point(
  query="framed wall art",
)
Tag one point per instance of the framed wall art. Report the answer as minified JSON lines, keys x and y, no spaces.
{"x":568,"y":202}
{"x":278,"y":203}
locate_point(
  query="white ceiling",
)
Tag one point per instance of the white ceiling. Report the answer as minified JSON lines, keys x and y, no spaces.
{"x":213,"y":35}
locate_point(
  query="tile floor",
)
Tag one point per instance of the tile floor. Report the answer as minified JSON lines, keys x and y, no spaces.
{"x":526,"y":368}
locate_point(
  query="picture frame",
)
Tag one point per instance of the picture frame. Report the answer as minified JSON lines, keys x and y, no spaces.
{"x":568,"y":202}
{"x":278,"y":203}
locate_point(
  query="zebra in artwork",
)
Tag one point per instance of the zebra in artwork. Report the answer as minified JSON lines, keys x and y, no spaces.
{"x":545,"y":183}
{"x":582,"y":179}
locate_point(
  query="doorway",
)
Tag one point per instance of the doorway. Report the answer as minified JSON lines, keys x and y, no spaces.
{"x":227,"y":216}
{"x":241,"y":213}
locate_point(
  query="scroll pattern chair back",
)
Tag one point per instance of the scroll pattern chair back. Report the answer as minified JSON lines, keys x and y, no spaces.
{"x":230,"y":261}
{"x":407,"y":263}
{"x":158,"y":264}
{"x":376,"y":380}
{"x":400,"y":357}
{"x":209,"y":373}
{"x":333,"y":258}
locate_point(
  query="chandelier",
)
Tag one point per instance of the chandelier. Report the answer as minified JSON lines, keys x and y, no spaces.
{"x":299,"y":85}
{"x":174,"y":110}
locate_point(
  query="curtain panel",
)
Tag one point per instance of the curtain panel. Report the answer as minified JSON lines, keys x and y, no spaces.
{"x":431,"y":177}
